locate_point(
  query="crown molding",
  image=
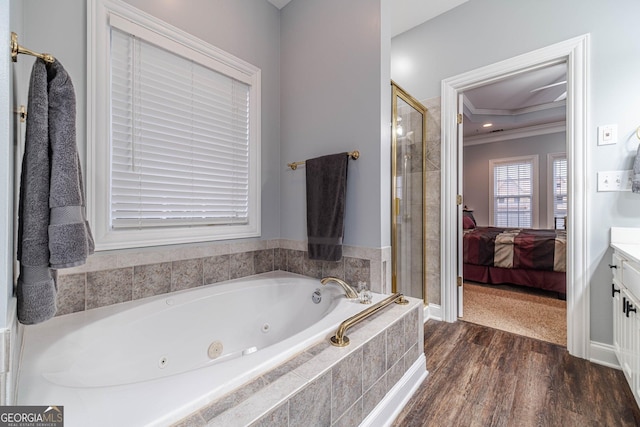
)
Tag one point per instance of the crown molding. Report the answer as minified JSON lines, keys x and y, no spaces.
{"x":523,"y":132}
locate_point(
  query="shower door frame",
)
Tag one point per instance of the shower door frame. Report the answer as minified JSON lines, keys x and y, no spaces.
{"x":398,"y":92}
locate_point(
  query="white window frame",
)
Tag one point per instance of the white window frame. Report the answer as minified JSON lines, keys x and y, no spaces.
{"x":551,"y":158}
{"x":535,"y":196}
{"x":99,"y":14}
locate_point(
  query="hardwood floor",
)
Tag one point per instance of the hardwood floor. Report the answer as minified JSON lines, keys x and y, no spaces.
{"x":480,"y":376}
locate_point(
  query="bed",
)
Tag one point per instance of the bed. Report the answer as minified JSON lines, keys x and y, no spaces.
{"x":527,"y":257}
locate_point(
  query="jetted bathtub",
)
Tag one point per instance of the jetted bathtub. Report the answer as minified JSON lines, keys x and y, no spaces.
{"x":154,"y":361}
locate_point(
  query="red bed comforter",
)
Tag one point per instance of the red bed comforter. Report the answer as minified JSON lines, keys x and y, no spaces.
{"x":531,"y":249}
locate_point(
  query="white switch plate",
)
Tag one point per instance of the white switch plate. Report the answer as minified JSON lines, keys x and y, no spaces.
{"x":615,"y":180}
{"x":607,"y":134}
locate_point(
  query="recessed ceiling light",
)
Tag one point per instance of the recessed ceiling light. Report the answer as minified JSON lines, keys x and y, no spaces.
{"x":487,"y":125}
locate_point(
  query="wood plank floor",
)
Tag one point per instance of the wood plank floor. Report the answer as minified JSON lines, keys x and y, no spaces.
{"x":480,"y":376}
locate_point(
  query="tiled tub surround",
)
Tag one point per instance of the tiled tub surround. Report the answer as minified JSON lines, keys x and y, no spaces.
{"x":366,"y":383}
{"x":107,"y":360}
{"x":111,"y":278}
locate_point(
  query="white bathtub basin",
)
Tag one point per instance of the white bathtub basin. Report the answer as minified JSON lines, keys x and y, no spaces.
{"x":153,"y":361}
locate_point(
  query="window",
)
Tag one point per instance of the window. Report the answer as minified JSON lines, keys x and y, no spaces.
{"x":181,"y":162}
{"x":557,"y":167}
{"x":513,"y":199}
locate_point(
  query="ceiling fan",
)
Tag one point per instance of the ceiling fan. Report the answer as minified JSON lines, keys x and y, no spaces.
{"x":561,"y":97}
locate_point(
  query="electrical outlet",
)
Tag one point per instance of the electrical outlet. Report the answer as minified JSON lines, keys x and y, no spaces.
{"x":607,"y":134}
{"x":615,"y":180}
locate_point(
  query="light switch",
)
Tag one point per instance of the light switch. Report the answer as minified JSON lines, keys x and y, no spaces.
{"x":615,"y":180}
{"x":607,"y":134}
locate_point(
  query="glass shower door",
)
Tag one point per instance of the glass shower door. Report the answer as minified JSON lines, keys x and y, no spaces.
{"x":408,"y":202}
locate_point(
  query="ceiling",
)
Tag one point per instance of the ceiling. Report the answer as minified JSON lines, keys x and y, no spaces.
{"x":533,"y":101}
{"x":406,"y":14}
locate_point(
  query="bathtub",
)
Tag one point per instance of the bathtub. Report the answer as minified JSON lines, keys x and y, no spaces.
{"x":154,"y":361}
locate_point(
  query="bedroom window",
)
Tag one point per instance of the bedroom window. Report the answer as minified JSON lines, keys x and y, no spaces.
{"x":181,"y":161}
{"x":513,"y":198}
{"x":557,"y":167}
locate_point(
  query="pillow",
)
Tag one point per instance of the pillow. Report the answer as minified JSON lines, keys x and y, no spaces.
{"x":468,"y":223}
{"x":469,"y":213}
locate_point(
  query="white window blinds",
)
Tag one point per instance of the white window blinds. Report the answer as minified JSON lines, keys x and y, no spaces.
{"x":180,"y":140}
{"x":513,"y":188}
{"x":559,"y":192}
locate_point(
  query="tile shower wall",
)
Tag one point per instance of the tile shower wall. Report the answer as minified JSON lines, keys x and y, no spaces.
{"x":433,"y":197}
{"x":114,"y":278}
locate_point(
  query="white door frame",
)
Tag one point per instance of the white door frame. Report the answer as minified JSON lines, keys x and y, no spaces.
{"x":575,"y":52}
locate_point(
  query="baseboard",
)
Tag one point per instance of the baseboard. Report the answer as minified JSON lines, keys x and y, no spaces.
{"x":603,"y":354}
{"x":392,"y":404}
{"x":433,"y":311}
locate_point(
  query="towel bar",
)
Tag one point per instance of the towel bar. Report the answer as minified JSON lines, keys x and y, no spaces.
{"x":353,"y":154}
{"x":16,"y":49}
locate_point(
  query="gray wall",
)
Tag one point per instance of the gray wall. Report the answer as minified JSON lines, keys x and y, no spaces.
{"x":331,"y":102}
{"x":325,"y":88}
{"x":476,"y":170}
{"x":325,"y":72}
{"x":481,"y":32}
{"x":60,"y":27}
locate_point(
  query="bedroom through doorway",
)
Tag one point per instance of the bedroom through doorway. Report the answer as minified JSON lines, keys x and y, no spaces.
{"x":575,"y":53}
{"x":515,"y":193}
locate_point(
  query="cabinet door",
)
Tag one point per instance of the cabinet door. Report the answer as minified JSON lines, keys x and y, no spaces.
{"x":626,"y":339}
{"x":617,"y":318}
{"x":635,"y":362}
{"x":633,"y":321}
{"x":630,"y":341}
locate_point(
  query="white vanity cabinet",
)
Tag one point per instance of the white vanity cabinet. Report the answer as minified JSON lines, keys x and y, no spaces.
{"x":625,"y":293}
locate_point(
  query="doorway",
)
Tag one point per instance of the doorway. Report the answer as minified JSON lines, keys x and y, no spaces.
{"x":575,"y":53}
{"x":513,"y":139}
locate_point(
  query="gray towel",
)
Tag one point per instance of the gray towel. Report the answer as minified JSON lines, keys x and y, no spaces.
{"x":52,"y":229}
{"x":635,"y":184}
{"x":326,"y":196}
{"x":70,"y":239}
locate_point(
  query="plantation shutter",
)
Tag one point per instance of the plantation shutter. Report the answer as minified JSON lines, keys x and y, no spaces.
{"x":513,"y":194}
{"x":179,"y":139}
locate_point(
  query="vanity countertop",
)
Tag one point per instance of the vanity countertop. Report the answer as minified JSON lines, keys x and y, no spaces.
{"x":627,"y":241}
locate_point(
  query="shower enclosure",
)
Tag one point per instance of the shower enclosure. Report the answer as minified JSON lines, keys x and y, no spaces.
{"x":408,"y":137}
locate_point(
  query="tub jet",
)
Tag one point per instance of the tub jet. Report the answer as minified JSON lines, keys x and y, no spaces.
{"x":215,"y":350}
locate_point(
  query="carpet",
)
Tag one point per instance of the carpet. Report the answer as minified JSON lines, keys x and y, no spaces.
{"x":535,"y":316}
